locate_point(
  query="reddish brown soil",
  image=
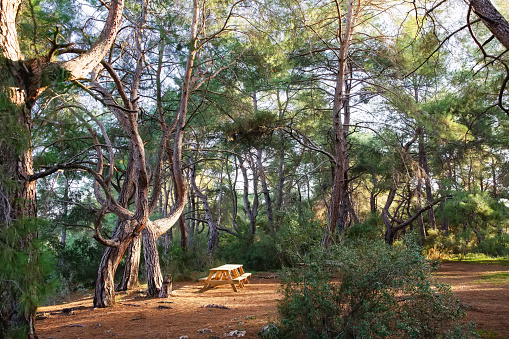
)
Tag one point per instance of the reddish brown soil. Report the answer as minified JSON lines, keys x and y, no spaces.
{"x":486,"y":300}
{"x":249,"y":309}
{"x":135,"y":316}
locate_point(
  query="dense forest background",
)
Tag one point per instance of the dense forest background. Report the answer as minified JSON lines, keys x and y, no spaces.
{"x":204,"y":132}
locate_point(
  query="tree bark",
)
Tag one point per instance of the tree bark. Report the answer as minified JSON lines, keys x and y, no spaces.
{"x":151,"y":255}
{"x":132,"y":266}
{"x":213,"y":232}
{"x":281,"y":166}
{"x":339,"y":140}
{"x":266,"y":194}
{"x":233,"y":193}
{"x":492,"y":19}
{"x":21,"y":84}
{"x":105,"y":284}
{"x":423,"y":163}
{"x":251,"y":211}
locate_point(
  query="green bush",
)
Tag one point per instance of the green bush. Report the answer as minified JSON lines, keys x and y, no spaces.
{"x":80,"y":261}
{"x":257,"y":254}
{"x":371,"y":228}
{"x":181,"y":264}
{"x":26,"y":276}
{"x":367,"y":289}
{"x":494,"y":245}
{"x":297,"y":236}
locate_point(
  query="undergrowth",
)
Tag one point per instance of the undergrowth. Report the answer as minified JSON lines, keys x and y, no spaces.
{"x":367,"y":289}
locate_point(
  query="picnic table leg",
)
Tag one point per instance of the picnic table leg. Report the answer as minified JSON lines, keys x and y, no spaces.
{"x":229,"y":276}
{"x":237,"y":274}
{"x":206,"y":285}
{"x":241,"y":282}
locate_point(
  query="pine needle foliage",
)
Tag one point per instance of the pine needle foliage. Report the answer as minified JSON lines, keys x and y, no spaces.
{"x":25,"y":275}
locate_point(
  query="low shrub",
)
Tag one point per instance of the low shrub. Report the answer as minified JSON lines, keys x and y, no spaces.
{"x":371,"y":228}
{"x":297,"y":235}
{"x":367,"y":289}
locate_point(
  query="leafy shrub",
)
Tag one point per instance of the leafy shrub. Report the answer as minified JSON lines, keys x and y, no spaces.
{"x":494,"y":245}
{"x":258,"y":253}
{"x":297,"y":236}
{"x":179,"y":263}
{"x":371,"y":228}
{"x":476,"y":224}
{"x":26,"y":276}
{"x":367,"y":289}
{"x":80,"y":261}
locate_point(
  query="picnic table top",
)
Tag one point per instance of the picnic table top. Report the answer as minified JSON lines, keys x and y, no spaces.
{"x":226,"y":267}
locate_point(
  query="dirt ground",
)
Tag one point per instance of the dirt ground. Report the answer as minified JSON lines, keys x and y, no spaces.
{"x":484,"y":291}
{"x":249,"y":309}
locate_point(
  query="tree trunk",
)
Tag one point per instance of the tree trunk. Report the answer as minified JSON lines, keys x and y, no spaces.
{"x":20,"y":85}
{"x":389,"y":230}
{"x":233,"y":194}
{"x":192,"y":222}
{"x":105,"y":284}
{"x":183,"y":232}
{"x":151,"y":255}
{"x":495,"y":22}
{"x":340,"y":167}
{"x":423,"y":163}
{"x":281,"y":166}
{"x":251,"y":211}
{"x":420,"y":221}
{"x":266,"y":194}
{"x":213,"y":232}
{"x":18,"y":201}
{"x":372,"y":195}
{"x":494,"y":178}
{"x":445,"y":221}
{"x":167,"y":287}
{"x":132,"y":266}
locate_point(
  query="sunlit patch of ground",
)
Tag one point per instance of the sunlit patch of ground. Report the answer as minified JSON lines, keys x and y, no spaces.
{"x":135,"y":316}
{"x":483,"y":290}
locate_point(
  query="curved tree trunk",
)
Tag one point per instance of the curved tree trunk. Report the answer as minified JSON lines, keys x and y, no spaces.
{"x":151,"y":255}
{"x":266,"y":193}
{"x":105,"y":284}
{"x":132,"y":266}
{"x":251,"y":210}
{"x":213,"y":232}
{"x":423,"y":158}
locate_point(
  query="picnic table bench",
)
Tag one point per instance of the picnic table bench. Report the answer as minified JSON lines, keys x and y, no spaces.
{"x":229,"y":274}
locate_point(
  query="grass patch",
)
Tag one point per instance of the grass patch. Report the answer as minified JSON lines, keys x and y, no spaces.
{"x":499,"y":278}
{"x":479,"y":258}
{"x":489,"y":334}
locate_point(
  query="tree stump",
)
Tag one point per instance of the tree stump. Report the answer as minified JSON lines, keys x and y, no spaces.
{"x":167,"y":287}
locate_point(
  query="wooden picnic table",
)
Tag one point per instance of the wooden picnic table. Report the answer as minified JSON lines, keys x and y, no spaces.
{"x":229,"y":274}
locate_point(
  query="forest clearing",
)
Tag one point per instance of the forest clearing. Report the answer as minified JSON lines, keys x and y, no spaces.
{"x":339,"y":143}
{"x":486,"y":302}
